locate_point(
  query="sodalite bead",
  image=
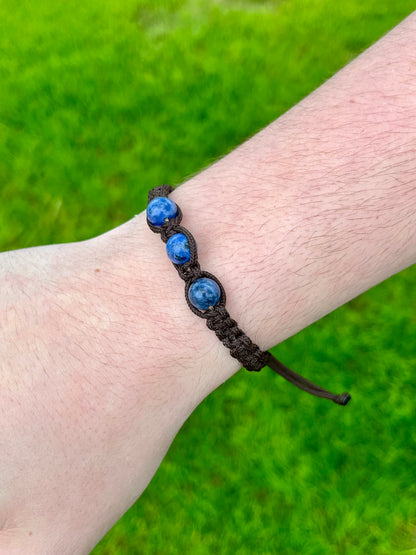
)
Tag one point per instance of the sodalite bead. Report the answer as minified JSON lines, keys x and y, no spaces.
{"x":178,"y":248}
{"x":160,"y":208}
{"x":203,"y":293}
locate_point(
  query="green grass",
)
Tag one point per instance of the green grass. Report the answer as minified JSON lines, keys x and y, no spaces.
{"x":100,"y":101}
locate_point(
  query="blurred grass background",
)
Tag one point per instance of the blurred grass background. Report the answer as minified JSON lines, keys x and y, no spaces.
{"x":100,"y":101}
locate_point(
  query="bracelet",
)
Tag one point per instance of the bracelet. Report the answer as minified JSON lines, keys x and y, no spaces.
{"x":205,"y":294}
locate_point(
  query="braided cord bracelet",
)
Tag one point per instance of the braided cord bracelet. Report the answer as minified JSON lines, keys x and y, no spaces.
{"x":205,"y":294}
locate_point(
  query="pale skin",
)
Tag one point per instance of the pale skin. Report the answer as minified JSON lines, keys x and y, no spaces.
{"x":102,"y":360}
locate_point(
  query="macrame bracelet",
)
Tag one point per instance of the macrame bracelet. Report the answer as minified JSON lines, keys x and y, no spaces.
{"x":205,"y":294}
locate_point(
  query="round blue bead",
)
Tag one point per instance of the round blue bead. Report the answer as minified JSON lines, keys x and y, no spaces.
{"x":160,"y":208}
{"x":203,"y":293}
{"x":178,"y":248}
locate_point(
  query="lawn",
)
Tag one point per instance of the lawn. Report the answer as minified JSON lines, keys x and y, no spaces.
{"x":99,"y":102}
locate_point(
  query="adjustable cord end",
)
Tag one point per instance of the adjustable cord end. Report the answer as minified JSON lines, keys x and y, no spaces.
{"x":342,"y":399}
{"x":302,"y":382}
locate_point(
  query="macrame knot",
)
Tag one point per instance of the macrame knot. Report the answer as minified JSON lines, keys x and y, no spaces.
{"x":189,"y":272}
{"x":170,"y":228}
{"x":240,"y":345}
{"x":159,"y":191}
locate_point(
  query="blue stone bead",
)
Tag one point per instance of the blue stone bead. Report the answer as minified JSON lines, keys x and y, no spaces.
{"x":160,"y":208}
{"x":203,"y":293}
{"x":178,"y":248}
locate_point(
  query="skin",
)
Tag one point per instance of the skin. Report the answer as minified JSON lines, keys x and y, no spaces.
{"x":101,"y":359}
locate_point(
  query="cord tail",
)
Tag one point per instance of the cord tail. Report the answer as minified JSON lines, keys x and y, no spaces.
{"x":303,"y":383}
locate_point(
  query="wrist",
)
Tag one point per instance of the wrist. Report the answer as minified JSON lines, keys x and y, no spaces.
{"x":113,"y":371}
{"x":178,"y":347}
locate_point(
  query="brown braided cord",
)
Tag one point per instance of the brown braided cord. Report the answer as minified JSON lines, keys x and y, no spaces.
{"x":218,"y":319}
{"x":241,"y":347}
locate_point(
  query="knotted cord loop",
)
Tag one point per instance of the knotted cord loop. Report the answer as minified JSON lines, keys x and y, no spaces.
{"x":168,"y":228}
{"x":217,"y":317}
{"x":204,"y":313}
{"x":159,"y":191}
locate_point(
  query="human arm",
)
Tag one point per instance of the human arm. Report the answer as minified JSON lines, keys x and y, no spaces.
{"x":100,"y":368}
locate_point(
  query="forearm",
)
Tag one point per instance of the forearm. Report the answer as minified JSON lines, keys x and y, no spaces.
{"x":102,"y":360}
{"x":313,"y":210}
